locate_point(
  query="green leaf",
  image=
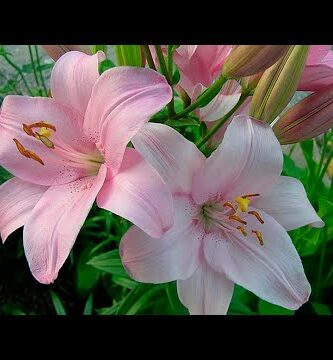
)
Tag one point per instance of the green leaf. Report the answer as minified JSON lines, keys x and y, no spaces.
{"x":105,"y":65}
{"x":325,"y":207}
{"x":177,"y":307}
{"x":182,"y":123}
{"x":108,"y":262}
{"x":321,"y":309}
{"x":125,"y":282}
{"x":59,"y":308}
{"x":128,"y":55}
{"x":291,"y":169}
{"x":266,"y":308}
{"x":87,"y":276}
{"x":144,"y":299}
{"x":88,"y":308}
{"x":4,"y":175}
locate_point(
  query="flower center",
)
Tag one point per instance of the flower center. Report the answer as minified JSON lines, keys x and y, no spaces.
{"x":230,"y":216}
{"x":43,"y":132}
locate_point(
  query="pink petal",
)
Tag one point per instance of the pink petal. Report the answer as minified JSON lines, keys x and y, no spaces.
{"x":19,"y":110}
{"x":318,"y":76}
{"x":288,"y":204}
{"x":221,"y":104}
{"x":274,"y":271}
{"x":202,"y":67}
{"x":249,"y":160}
{"x":317,"y":53}
{"x":174,"y":157}
{"x":206,"y":292}
{"x":55,"y":222}
{"x":174,"y":256}
{"x":17,"y":199}
{"x":73,"y":78}
{"x":139,"y":194}
{"x":123,"y":99}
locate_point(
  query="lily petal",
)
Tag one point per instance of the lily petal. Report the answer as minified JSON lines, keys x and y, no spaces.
{"x":55,"y":222}
{"x":249,"y":160}
{"x":317,"y":53}
{"x":174,"y":256}
{"x":17,"y":199}
{"x":175,"y":158}
{"x":274,"y":271}
{"x":19,"y":110}
{"x":221,"y":104}
{"x":123,"y":99}
{"x":288,"y":204}
{"x":73,"y":77}
{"x":139,"y":194}
{"x":317,"y":76}
{"x":206,"y":292}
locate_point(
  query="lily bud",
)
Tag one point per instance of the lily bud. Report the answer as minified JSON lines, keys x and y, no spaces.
{"x":56,"y":51}
{"x":249,"y":83}
{"x":246,"y":60}
{"x":278,"y":84}
{"x":307,"y":119}
{"x":129,"y":55}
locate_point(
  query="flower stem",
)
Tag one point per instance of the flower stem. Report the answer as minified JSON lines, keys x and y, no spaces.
{"x":19,"y":72}
{"x":321,"y":263}
{"x":164,"y":70}
{"x":40,"y":71}
{"x":170,"y":61}
{"x":213,"y":130}
{"x":204,"y":98}
{"x":148,"y":56}
{"x":34,"y":69}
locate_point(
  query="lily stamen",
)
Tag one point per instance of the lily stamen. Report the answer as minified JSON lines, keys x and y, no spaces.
{"x":242,"y":230}
{"x":250,"y":195}
{"x":237,"y":218}
{"x":229,"y":205}
{"x":258,"y":234}
{"x":27,"y":153}
{"x":256,"y":214}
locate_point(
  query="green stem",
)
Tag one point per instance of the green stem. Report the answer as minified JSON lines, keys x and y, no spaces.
{"x":321,"y":263}
{"x":40,"y":71}
{"x":19,"y":72}
{"x":204,"y":98}
{"x":164,"y":70}
{"x":170,"y":61}
{"x":213,"y":130}
{"x":149,"y":58}
{"x":34,"y":69}
{"x":322,"y":155}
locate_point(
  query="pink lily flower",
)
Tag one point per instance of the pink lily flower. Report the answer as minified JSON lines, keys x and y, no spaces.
{"x":70,"y":149}
{"x":232,"y":213}
{"x":318,"y":72}
{"x":199,"y":64}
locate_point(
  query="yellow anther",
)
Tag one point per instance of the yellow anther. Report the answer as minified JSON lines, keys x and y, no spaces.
{"x":258,"y":234}
{"x":45,"y":132}
{"x":243,"y":203}
{"x":242,"y":230}
{"x":46,"y":141}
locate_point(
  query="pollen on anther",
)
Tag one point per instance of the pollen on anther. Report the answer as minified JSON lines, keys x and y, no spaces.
{"x":242,"y":230}
{"x":229,"y":205}
{"x":258,"y":234}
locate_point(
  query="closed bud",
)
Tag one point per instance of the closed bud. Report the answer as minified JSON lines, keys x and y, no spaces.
{"x":247,"y":60}
{"x":307,"y":119}
{"x":56,"y":51}
{"x":278,"y":84}
{"x":129,"y":55}
{"x":249,"y":83}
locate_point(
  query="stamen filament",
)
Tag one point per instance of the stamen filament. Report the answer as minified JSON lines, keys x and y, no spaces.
{"x":250,"y":195}
{"x":229,"y":205}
